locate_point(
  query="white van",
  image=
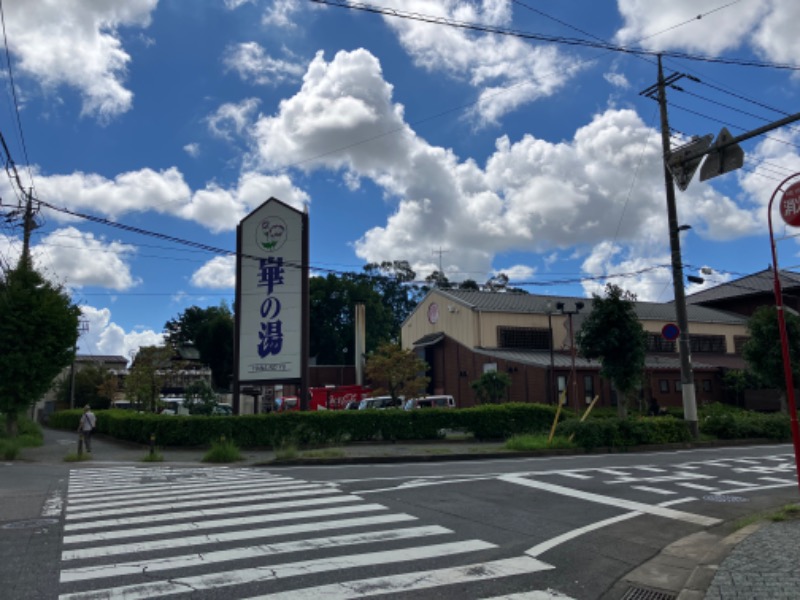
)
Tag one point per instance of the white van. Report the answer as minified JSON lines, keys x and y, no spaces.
{"x":431,"y":402}
{"x":380,"y":402}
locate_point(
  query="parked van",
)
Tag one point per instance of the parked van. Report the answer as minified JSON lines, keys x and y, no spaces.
{"x":431,"y":402}
{"x":380,"y":402}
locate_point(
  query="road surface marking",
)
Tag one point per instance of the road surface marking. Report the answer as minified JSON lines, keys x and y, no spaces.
{"x":247,"y":552}
{"x":616,"y":502}
{"x":53,"y":505}
{"x":420,"y":580}
{"x":271,"y":572}
{"x":644,"y":488}
{"x":231,"y":536}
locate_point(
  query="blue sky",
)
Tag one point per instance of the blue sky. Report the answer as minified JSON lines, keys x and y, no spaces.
{"x":405,"y":141}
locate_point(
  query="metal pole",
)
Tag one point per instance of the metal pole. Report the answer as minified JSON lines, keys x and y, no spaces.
{"x":787,"y":363}
{"x":552,"y":382}
{"x":684,"y":349}
{"x":574,"y":376}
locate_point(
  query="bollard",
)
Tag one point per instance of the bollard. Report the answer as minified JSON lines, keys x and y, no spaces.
{"x":80,"y":444}
{"x":152,"y":444}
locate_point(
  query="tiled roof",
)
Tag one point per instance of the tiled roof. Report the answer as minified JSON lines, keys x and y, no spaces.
{"x":101,"y":358}
{"x":757,"y":283}
{"x":536,"y":304}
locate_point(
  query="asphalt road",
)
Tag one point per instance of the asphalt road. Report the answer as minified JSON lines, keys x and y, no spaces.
{"x":560,"y":527}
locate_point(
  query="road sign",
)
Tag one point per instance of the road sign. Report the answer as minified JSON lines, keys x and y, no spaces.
{"x":722,"y":160}
{"x":670,"y":332}
{"x":683,"y":171}
{"x":790,"y":205}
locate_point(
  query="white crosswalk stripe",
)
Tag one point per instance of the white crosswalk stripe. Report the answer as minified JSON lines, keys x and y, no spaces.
{"x":139,"y":532}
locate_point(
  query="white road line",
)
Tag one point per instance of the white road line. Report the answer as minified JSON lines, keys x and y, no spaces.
{"x":268,"y":573}
{"x":421,"y":580}
{"x":777,"y":480}
{"x":237,"y":521}
{"x":163,"y":490}
{"x":616,"y":502}
{"x":264,"y":504}
{"x":756,"y":489}
{"x":652,"y":490}
{"x":652,"y":469}
{"x":738,"y":483}
{"x":575,"y":475}
{"x":534,"y":595}
{"x":201,"y":500}
{"x":615,"y":472}
{"x":697,"y":486}
{"x":231,"y":536}
{"x":244,"y":553}
{"x":540,"y":549}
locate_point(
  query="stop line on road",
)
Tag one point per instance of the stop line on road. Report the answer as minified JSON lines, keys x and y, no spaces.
{"x":137,"y":532}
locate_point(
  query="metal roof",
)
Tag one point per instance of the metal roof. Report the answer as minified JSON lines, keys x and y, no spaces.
{"x":537,"y":304}
{"x":757,"y":283}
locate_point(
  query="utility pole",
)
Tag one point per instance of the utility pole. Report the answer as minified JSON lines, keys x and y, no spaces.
{"x":684,"y":348}
{"x":28,"y":225}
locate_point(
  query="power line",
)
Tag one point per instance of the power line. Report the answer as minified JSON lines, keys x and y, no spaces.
{"x":601,"y":45}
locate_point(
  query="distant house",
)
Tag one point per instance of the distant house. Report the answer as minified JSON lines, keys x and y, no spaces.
{"x":463,"y":333}
{"x":116,"y":365}
{"x":744,"y":295}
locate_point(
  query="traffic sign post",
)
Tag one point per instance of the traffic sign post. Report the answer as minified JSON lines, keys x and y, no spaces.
{"x":725,"y":156}
{"x":789,"y":213}
{"x":683,"y":170}
{"x":670,"y":332}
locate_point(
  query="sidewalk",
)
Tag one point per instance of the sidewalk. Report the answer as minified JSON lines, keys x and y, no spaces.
{"x":757,"y":562}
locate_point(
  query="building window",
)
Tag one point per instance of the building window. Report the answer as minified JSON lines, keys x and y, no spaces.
{"x":663,"y":386}
{"x":523,"y":338}
{"x":656,"y":343}
{"x":588,"y":389}
{"x":738,"y":344}
{"x":561,"y":383}
{"x":706,"y":385}
{"x":677,"y":385}
{"x":708,"y":343}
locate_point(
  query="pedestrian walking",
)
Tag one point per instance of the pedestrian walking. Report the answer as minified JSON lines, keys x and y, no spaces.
{"x":86,"y":427}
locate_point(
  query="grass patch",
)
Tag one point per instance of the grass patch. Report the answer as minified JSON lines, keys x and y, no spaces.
{"x":75,"y":457}
{"x":527,"y":442}
{"x":155,"y":456}
{"x":286,"y":452}
{"x":223,"y":451}
{"x":785,"y":513}
{"x":9,"y":449}
{"x":29,"y":435}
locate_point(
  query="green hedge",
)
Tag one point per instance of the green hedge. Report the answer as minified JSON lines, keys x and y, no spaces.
{"x":317,"y":428}
{"x":495,"y":422}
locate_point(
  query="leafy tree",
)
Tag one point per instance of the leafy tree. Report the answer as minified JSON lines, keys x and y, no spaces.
{"x":146,"y":376}
{"x":612,"y":333}
{"x":94,"y":385}
{"x":498,"y":282}
{"x":763,"y":353}
{"x":38,"y":332}
{"x":396,"y":372}
{"x":210,"y":330}
{"x":469,"y":284}
{"x":491,"y":387}
{"x":199,"y":398}
{"x":332,"y":305}
{"x":438,"y":280}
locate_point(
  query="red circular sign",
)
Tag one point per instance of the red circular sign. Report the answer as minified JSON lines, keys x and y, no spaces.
{"x":790,"y":205}
{"x":670,"y":332}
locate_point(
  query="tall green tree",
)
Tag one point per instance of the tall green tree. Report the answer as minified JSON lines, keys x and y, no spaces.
{"x":332,"y":319}
{"x":396,"y":372}
{"x":38,"y":332}
{"x":763,"y":353}
{"x":210,"y":331}
{"x":94,"y":385}
{"x":146,"y":376}
{"x":491,"y":387}
{"x":612,"y":333}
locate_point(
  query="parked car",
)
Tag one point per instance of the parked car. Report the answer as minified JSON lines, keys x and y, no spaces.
{"x":380,"y":402}
{"x":222,"y":410}
{"x":431,"y":402}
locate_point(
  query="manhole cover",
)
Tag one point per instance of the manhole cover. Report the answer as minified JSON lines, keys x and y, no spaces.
{"x":723,"y":498}
{"x":640,"y":593}
{"x":30,"y":524}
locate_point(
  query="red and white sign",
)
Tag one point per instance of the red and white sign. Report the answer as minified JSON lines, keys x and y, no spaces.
{"x":790,"y":205}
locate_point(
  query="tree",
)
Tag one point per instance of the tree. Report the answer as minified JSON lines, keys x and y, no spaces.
{"x":146,"y":376}
{"x":469,"y":284}
{"x":763,"y":353}
{"x":396,"y":372}
{"x":38,"y":332}
{"x":388,"y":295}
{"x":199,"y":398}
{"x":438,"y":280}
{"x":210,"y":331}
{"x":94,"y":385}
{"x":491,"y":387}
{"x":612,"y":333}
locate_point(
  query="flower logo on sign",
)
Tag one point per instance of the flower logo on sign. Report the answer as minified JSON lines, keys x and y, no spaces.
{"x":271,"y":234}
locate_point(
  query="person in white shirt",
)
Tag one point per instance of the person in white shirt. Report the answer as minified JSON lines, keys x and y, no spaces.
{"x":86,"y":427}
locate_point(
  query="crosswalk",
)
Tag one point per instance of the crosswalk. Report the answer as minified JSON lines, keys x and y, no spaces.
{"x":151,"y":532}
